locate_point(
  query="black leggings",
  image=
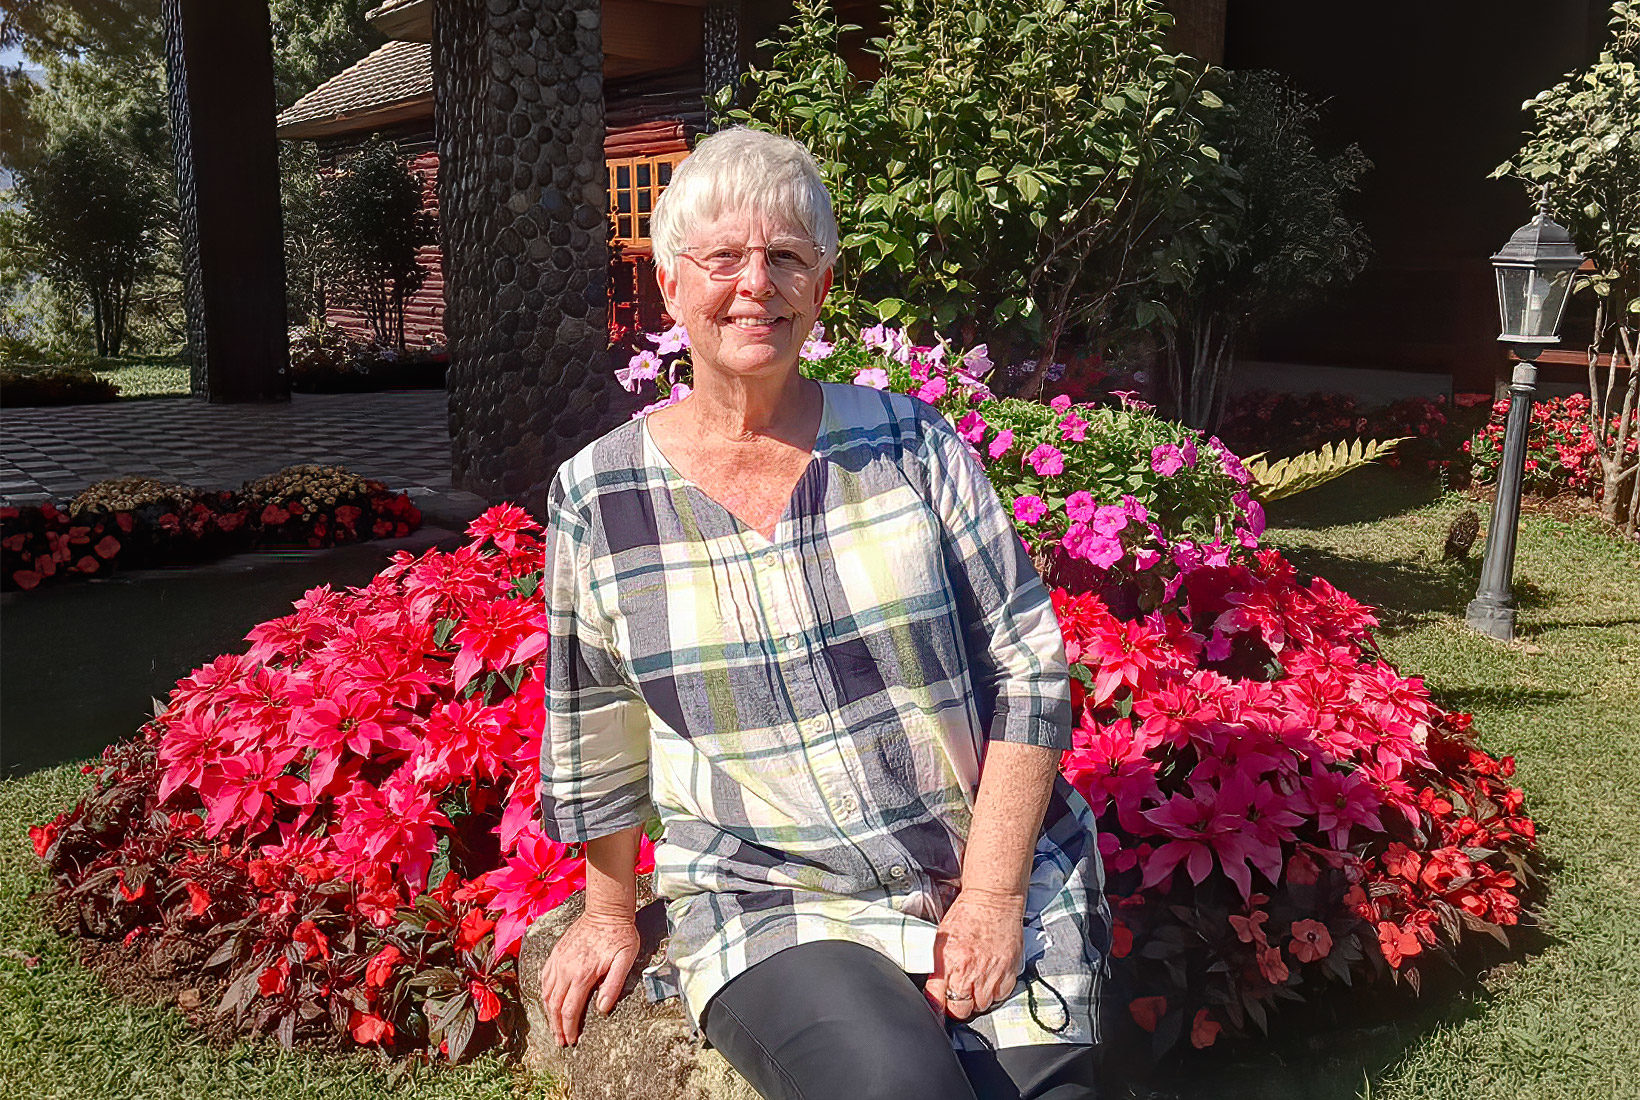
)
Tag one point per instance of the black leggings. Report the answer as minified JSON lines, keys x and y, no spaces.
{"x":838,"y":1020}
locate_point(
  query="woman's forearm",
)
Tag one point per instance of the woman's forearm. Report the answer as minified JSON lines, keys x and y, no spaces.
{"x":612,"y":880}
{"x":1013,"y":794}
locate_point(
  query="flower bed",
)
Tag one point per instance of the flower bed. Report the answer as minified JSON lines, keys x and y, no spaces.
{"x":136,"y":523}
{"x":1283,"y":425}
{"x":335,"y":830}
{"x":1560,"y":448}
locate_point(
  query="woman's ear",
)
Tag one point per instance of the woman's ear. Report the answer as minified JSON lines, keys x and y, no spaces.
{"x":823,"y":288}
{"x":668,"y":283}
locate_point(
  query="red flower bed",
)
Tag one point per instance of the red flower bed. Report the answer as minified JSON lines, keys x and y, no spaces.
{"x":1280,"y":810}
{"x":335,"y":833}
{"x":1288,"y":424}
{"x":45,"y":542}
{"x":1560,"y":448}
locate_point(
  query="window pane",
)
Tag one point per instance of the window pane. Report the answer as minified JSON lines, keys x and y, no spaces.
{"x":643,"y":202}
{"x":665,"y":171}
{"x":624,"y":202}
{"x":643,"y":174}
{"x":643,"y":226}
{"x":623,"y":176}
{"x":624,"y":228}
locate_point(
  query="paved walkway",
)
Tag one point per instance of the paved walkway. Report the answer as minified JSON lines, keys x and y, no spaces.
{"x":401,"y":438}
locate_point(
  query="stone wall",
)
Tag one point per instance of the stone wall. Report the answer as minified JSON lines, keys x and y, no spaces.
{"x":518,"y":90}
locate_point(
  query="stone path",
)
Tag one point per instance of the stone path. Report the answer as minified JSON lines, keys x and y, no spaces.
{"x":401,"y":438}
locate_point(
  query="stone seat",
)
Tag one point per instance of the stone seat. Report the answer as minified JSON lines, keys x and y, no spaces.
{"x":640,"y":1051}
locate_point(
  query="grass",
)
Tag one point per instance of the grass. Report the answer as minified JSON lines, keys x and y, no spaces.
{"x":1561,"y":1023}
{"x":145,"y":375}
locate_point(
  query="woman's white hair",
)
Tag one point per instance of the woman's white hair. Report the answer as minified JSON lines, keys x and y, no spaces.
{"x":740,"y":169}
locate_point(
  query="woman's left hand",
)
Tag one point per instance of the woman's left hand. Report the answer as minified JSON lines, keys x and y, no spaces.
{"x":977,"y":953}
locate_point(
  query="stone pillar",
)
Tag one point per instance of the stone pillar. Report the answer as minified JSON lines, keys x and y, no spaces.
{"x":219,"y":67}
{"x":721,"y":55}
{"x":518,"y":90}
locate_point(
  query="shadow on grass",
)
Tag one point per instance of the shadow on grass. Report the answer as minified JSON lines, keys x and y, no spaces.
{"x":1407,"y":592}
{"x":1469,"y":699}
{"x":1366,"y":495}
{"x":1341,"y":1045}
{"x":1538,"y":627}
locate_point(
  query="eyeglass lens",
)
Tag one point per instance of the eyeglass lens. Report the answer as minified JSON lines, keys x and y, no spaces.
{"x":791,"y":257}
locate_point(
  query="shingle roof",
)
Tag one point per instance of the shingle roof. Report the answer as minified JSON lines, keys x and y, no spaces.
{"x":396,"y":73}
{"x":387,"y":8}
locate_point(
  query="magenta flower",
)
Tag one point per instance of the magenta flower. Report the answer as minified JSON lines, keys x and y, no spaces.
{"x":1046,"y":460}
{"x":1029,"y":509}
{"x":1073,"y":428}
{"x":1060,"y":404}
{"x":1166,"y":460}
{"x":1080,"y":506}
{"x":934,"y":389}
{"x":1000,"y":445}
{"x":972,"y":427}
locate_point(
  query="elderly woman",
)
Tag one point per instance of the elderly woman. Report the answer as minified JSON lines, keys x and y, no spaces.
{"x":794,"y":621}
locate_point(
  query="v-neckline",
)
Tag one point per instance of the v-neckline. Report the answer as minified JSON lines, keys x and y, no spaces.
{"x":816,"y":453}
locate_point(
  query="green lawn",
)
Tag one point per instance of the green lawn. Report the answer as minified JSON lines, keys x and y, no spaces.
{"x":1565,"y":699}
{"x":145,"y":375}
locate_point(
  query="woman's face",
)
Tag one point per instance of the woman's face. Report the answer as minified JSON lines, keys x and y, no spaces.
{"x":750,"y":325}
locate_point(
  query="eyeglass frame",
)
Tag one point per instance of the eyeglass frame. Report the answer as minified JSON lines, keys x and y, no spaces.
{"x":807,"y":272}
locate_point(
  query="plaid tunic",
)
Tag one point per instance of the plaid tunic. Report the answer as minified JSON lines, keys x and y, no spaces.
{"x":807,"y":714}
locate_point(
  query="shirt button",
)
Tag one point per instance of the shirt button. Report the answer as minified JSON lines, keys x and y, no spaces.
{"x":791,"y":642}
{"x":846,"y":806}
{"x":897,"y":871}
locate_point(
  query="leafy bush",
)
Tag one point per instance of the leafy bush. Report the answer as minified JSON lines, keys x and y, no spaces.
{"x":371,"y":214}
{"x":1283,"y":238}
{"x":1561,"y":451}
{"x":91,"y":220}
{"x":1583,"y":151}
{"x":324,"y":359}
{"x":1018,"y":163}
{"x":22,"y":385}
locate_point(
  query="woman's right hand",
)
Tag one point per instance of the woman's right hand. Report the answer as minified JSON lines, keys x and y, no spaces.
{"x":596,"y":953}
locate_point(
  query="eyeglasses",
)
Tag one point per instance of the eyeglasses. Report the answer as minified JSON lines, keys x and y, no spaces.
{"x":789,"y":258}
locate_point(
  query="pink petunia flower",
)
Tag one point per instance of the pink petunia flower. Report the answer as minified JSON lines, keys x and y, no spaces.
{"x":1166,"y":460}
{"x":1047,"y":460}
{"x":999,"y":445}
{"x":875,"y":377}
{"x":1029,"y":509}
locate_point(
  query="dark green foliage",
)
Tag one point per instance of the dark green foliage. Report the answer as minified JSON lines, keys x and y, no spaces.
{"x":1015,"y":168}
{"x":373,"y":223}
{"x":52,"y":385}
{"x":1284,"y":237}
{"x":91,"y":220}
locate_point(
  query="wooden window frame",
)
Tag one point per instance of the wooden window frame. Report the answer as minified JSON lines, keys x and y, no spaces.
{"x":631,"y":229}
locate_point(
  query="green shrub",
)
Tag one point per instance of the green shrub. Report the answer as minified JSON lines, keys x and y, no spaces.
{"x":52,"y":384}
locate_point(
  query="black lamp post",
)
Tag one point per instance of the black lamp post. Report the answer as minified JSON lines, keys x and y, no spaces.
{"x":1535,"y":273}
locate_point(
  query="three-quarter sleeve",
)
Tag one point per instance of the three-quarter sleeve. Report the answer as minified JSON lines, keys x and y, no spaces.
{"x":1015,"y":649}
{"x":595,"y":749}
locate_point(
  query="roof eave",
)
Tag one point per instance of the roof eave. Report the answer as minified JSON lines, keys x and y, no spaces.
{"x":375,"y":117}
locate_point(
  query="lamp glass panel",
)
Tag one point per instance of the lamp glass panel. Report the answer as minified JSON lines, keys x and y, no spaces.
{"x":1512,"y":288}
{"x":1556,"y":287}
